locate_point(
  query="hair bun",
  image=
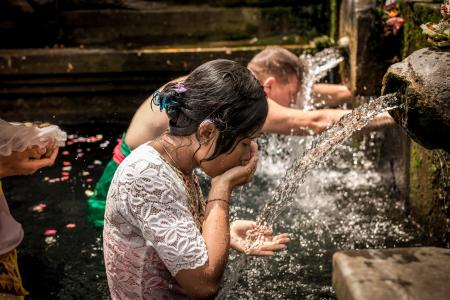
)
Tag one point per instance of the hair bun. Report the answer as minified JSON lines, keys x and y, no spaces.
{"x":169,"y":101}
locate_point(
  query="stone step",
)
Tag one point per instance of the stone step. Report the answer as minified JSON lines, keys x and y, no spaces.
{"x":384,"y":274}
{"x":40,"y":83}
{"x":92,"y":24}
{"x":29,"y":71}
{"x":183,"y":24}
{"x":169,"y":25}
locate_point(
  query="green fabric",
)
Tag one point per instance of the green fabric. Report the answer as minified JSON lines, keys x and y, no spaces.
{"x":97,"y":202}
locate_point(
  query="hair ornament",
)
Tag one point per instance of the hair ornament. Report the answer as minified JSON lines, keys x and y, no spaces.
{"x":164,"y":102}
{"x":180,"y":88}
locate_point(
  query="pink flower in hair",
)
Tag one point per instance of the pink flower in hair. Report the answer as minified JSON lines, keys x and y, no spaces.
{"x":180,"y":88}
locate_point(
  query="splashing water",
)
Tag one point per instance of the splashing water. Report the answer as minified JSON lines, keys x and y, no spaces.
{"x":283,"y":196}
{"x":317,"y":66}
{"x":277,"y":145}
{"x":324,"y":145}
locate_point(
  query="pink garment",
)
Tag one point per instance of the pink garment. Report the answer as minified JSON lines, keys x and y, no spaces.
{"x":11,"y":232}
{"x":149,"y":233}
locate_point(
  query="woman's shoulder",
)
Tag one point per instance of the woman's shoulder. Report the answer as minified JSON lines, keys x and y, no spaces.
{"x":146,"y":164}
{"x":145,"y":152}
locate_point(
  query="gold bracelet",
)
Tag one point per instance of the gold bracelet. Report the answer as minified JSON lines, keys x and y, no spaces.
{"x":218,"y":199}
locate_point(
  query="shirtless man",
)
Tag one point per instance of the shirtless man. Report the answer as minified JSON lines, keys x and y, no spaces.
{"x":280,"y":72}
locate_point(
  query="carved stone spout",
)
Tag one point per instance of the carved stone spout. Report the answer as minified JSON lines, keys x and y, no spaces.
{"x":422,"y":80}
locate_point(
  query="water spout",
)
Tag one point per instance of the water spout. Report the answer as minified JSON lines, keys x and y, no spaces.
{"x":422,"y":81}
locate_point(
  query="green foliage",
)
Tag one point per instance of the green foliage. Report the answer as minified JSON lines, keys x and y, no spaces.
{"x":417,"y":14}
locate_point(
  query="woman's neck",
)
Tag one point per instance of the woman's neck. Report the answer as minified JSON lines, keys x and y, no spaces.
{"x":177,"y":151}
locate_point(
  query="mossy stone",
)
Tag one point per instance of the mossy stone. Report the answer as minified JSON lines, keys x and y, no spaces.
{"x":415,"y":15}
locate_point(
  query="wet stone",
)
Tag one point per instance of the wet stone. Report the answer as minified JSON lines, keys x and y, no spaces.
{"x":422,"y":80}
{"x":402,"y":273}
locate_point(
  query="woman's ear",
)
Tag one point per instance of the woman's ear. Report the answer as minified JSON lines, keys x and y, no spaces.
{"x":268,"y":84}
{"x":206,"y":131}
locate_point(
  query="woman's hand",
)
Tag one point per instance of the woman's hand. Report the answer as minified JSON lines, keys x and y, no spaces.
{"x":26,"y":162}
{"x":267,"y":247}
{"x":241,"y":174}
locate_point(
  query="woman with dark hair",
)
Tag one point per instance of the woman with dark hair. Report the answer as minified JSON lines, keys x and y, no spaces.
{"x":161,"y":240}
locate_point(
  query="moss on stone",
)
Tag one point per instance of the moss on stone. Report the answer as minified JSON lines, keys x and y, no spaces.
{"x":415,"y":15}
{"x":429,"y":190}
{"x":321,"y":42}
{"x":334,"y":15}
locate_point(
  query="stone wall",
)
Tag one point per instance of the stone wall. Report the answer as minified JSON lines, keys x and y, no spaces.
{"x":429,"y":192}
{"x":421,"y":176}
{"x":59,"y":57}
{"x":130,"y":23}
{"x":371,"y":51}
{"x":57,"y":85}
{"x":429,"y":171}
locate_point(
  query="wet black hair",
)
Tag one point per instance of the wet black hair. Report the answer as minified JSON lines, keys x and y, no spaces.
{"x":222,"y":91}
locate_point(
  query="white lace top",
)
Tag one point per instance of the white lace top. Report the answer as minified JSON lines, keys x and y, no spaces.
{"x":149,"y":233}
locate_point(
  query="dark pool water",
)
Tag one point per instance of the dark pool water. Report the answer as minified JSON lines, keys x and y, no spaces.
{"x":344,"y":204}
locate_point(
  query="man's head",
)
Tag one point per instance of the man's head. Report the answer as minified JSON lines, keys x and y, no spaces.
{"x":280,"y":72}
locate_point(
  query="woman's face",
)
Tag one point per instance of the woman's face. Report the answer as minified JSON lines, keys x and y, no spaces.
{"x":240,"y":156}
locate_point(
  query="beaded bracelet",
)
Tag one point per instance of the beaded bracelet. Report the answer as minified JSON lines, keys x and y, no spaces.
{"x":218,"y":199}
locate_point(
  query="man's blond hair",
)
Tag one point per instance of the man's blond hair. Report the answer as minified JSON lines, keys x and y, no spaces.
{"x":278,"y":62}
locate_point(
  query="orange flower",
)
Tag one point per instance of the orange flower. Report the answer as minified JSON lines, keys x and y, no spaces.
{"x":392,"y":13}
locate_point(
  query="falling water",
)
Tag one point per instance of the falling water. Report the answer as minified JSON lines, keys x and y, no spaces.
{"x":322,"y":147}
{"x":316,"y":67}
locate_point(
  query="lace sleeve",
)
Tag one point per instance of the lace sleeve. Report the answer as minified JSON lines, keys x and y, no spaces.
{"x":158,"y":203}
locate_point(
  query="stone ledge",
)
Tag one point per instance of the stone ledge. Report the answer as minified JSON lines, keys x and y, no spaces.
{"x":49,"y":71}
{"x":382,"y":274}
{"x":36,"y":84}
{"x":56,"y":61}
{"x":173,"y":24}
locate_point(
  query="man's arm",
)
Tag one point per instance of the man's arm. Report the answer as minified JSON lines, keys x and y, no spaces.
{"x":285,"y":120}
{"x":325,"y":94}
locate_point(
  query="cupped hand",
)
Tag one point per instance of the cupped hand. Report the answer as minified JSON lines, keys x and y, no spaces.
{"x":241,"y":174}
{"x":266,"y":246}
{"x":26,"y":162}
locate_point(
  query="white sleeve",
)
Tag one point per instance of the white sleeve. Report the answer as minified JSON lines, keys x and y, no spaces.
{"x":158,"y":202}
{"x":18,"y":137}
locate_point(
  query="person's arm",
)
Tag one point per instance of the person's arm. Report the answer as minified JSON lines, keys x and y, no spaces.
{"x":203,"y":282}
{"x":331,"y":94}
{"x":26,"y":162}
{"x":217,"y":239}
{"x":284,"y":120}
{"x":148,"y":122}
